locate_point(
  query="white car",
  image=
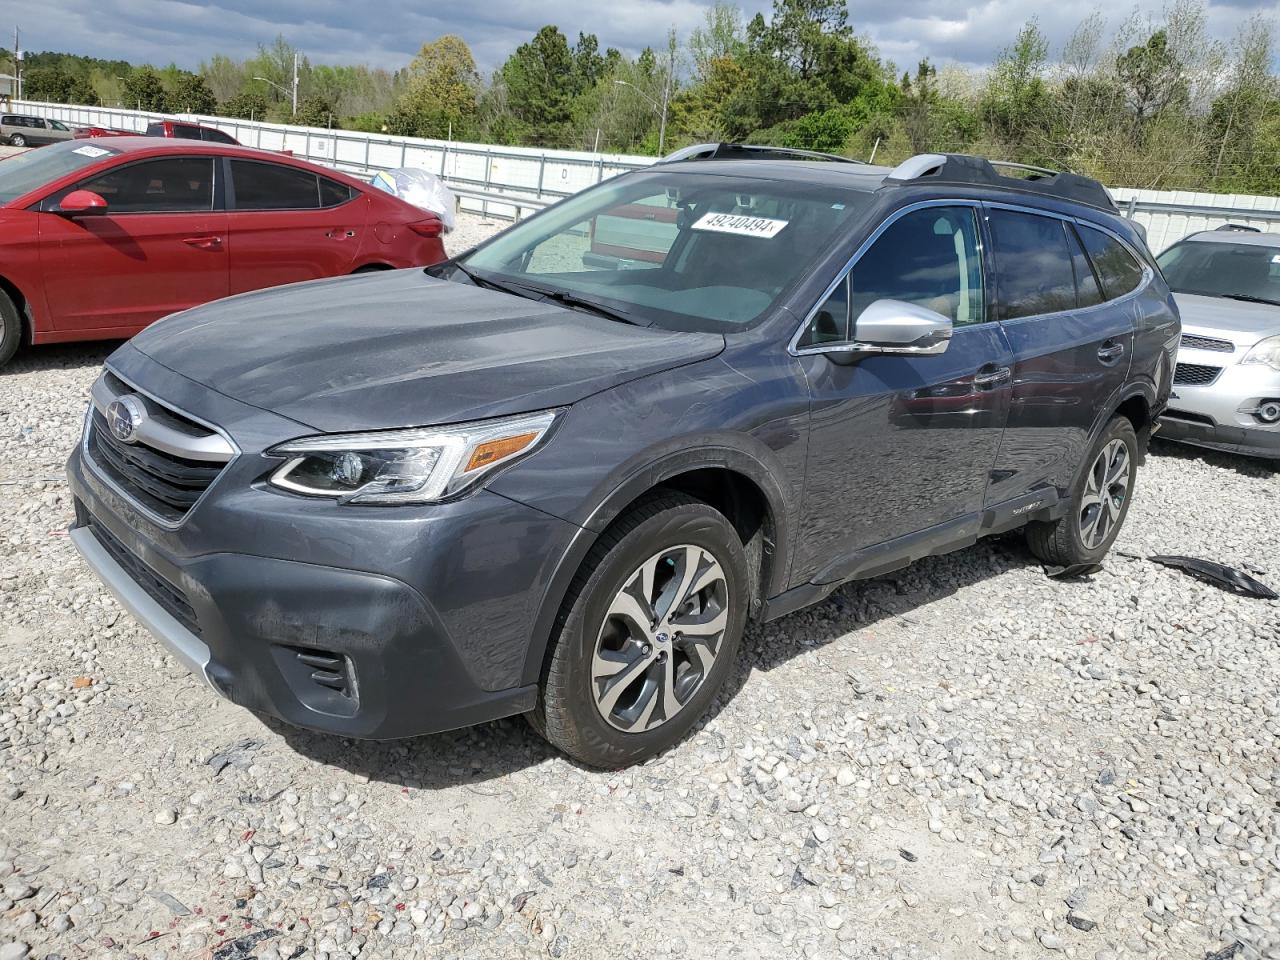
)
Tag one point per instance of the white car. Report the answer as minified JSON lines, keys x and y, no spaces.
{"x":1226,"y":387}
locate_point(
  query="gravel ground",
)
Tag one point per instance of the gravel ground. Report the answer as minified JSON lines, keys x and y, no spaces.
{"x":965,"y":758}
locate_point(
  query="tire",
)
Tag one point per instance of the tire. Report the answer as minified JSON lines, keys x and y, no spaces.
{"x":654,"y":683}
{"x":18,"y":140}
{"x":10,"y":328}
{"x":1099,"y":502}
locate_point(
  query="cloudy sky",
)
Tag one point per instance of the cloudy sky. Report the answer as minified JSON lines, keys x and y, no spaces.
{"x":387,"y":33}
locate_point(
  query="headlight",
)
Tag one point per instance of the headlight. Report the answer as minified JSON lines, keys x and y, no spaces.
{"x":407,"y":466}
{"x":1265,"y":351}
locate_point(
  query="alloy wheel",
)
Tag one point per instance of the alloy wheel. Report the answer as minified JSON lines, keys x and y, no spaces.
{"x":1106,"y":489}
{"x":660,"y":638}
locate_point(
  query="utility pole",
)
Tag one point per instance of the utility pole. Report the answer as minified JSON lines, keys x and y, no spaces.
{"x":666,"y":90}
{"x":17,"y":65}
{"x":295,"y":83}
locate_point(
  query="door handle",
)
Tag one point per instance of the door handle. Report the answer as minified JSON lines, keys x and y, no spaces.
{"x":1110,"y":351}
{"x":991,"y":376}
{"x":203,"y":243}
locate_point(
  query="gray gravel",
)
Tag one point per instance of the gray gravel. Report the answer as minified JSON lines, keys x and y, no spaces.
{"x":965,"y":758}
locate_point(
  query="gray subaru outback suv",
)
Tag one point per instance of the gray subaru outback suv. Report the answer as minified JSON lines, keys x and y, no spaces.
{"x":558,"y":475}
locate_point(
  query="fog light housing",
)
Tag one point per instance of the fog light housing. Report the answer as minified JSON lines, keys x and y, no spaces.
{"x":1268,"y":411}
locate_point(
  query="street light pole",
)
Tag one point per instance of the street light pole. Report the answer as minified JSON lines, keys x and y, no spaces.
{"x":295,"y":83}
{"x":660,"y":107}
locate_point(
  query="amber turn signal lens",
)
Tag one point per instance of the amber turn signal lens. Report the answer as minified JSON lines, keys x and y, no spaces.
{"x":495,"y":450}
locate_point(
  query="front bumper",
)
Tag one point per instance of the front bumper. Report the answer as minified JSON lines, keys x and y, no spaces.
{"x":366,"y":622}
{"x":1220,"y":415}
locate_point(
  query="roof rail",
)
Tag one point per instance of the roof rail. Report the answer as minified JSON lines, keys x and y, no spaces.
{"x":1236,"y":228}
{"x":750,"y":151}
{"x":961,"y":168}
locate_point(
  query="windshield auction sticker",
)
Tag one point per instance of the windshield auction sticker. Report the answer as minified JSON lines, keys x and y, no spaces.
{"x":87,"y":151}
{"x":742,"y":226}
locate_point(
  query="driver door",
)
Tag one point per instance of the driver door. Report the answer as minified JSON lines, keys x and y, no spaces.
{"x":901,"y":446}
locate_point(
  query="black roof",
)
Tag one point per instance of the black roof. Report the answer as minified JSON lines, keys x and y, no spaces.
{"x":922,"y":170}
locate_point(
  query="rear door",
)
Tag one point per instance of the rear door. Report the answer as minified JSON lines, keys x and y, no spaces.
{"x":1071,"y":348}
{"x":290,"y":224}
{"x":902,"y":445}
{"x":161,"y":247}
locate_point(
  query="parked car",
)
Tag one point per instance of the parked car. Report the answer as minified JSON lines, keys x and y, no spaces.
{"x":99,"y":239}
{"x":178,"y":129}
{"x":24,"y":131}
{"x":1226,"y":389}
{"x":531,"y":481}
{"x":93,"y":132}
{"x":185,"y":130}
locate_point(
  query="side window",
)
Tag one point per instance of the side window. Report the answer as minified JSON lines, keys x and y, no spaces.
{"x":333,"y":193}
{"x":1033,"y":264}
{"x":831,"y":323}
{"x":1088,"y":293}
{"x":182,"y":131}
{"x":57,"y":125}
{"x":1119,"y":271}
{"x":170,"y":185}
{"x":154,"y":130}
{"x":215,"y":136}
{"x":273,"y":186}
{"x":929,"y":257}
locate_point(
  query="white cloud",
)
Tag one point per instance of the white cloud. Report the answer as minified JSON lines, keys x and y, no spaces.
{"x":388,"y":34}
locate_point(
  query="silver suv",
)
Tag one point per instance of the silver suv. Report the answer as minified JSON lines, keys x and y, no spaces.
{"x":1226,"y":387}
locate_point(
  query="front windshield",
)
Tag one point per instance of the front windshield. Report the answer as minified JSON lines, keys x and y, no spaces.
{"x":21,"y":174}
{"x":675,"y":250}
{"x":1216,"y":269}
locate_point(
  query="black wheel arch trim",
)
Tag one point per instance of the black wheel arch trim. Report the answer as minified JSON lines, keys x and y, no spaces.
{"x":636,"y":484}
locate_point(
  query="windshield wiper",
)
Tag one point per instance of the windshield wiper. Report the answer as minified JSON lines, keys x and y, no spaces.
{"x":534,"y":292}
{"x":567,"y":299}
{"x":479,"y":281}
{"x":1250,"y":298}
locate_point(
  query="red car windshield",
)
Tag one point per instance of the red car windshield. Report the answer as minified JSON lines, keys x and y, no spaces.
{"x":28,"y":171}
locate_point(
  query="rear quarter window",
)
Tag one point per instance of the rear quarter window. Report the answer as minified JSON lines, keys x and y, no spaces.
{"x":1119,"y":272}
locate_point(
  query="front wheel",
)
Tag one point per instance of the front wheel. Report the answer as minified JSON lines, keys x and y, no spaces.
{"x":10,"y":328}
{"x":18,"y":140}
{"x":1099,"y":503}
{"x":650,"y":630}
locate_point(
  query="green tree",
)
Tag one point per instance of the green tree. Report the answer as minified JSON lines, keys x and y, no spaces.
{"x":190,"y":94}
{"x":441,"y":92}
{"x":250,"y":105}
{"x":315,"y":111}
{"x":539,"y":84}
{"x":1015,"y":99}
{"x":143,"y":89}
{"x":224,"y":76}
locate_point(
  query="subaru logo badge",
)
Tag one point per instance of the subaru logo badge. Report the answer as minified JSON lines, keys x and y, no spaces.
{"x":124,"y":416}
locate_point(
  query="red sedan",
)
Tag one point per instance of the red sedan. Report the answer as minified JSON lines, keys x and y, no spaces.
{"x":100,"y":238}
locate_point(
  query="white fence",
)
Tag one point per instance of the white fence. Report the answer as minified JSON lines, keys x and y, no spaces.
{"x":527,"y":178}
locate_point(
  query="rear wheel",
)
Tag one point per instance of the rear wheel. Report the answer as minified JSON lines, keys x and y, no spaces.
{"x":1099,"y":503}
{"x":651,"y":629}
{"x":10,"y":328}
{"x":18,"y":140}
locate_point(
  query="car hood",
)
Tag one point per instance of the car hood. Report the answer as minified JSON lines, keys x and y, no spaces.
{"x":402,"y":349}
{"x":1239,"y":321}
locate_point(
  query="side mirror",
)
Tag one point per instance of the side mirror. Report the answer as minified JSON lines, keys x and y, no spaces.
{"x":895,"y":326}
{"x":82,"y":203}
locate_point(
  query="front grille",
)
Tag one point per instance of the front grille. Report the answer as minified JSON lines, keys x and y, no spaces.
{"x":172,"y":599}
{"x":163,"y":483}
{"x":1193,"y":342}
{"x":1195,"y":374}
